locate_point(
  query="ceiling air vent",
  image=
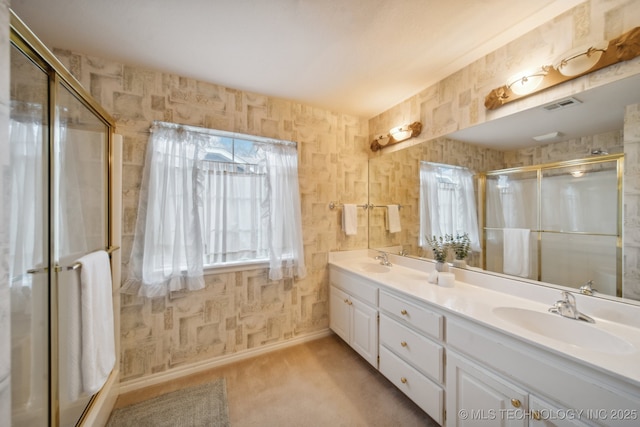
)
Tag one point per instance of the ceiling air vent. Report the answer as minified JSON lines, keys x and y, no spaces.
{"x":563,"y":103}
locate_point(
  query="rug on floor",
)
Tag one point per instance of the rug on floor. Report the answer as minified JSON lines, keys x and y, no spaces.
{"x":201,"y":405}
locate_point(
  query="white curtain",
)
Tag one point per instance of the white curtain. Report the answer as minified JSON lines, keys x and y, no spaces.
{"x":167,"y":253}
{"x":447,"y":203}
{"x":195,"y":212}
{"x":286,"y":253}
{"x":28,"y":208}
{"x":234,"y":215}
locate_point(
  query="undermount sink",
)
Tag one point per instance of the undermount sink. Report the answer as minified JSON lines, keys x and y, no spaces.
{"x":371,"y":267}
{"x":565,"y":330}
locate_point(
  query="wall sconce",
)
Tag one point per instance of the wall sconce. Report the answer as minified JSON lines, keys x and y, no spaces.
{"x":577,"y":173}
{"x":397,"y":134}
{"x":580,"y":60}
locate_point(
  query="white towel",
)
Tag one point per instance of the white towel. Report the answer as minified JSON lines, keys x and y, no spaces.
{"x":516,"y":251}
{"x":393,"y":219}
{"x":95,"y":332}
{"x":350,"y":219}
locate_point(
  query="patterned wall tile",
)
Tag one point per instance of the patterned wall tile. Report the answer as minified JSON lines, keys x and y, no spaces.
{"x":235,"y":311}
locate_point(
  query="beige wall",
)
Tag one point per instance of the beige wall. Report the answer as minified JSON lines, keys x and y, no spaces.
{"x":237,"y":310}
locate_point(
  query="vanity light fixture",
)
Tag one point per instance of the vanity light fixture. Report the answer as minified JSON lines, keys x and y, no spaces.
{"x":572,"y":64}
{"x":382,"y":139}
{"x":577,"y":173}
{"x":527,"y":81}
{"x":397,"y":134}
{"x":400,"y":133}
{"x":581,"y":59}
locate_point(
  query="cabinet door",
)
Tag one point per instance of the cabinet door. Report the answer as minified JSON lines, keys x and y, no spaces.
{"x":364,"y":331}
{"x":477,"y":397}
{"x":545,"y":414}
{"x":339,"y":310}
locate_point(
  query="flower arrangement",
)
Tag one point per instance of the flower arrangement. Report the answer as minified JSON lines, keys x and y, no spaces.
{"x":461,"y":245}
{"x":440,"y":246}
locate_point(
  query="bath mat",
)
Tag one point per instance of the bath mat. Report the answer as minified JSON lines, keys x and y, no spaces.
{"x":201,"y":405}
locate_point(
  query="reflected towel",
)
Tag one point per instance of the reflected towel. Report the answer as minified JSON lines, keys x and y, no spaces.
{"x":350,"y":219}
{"x":97,"y":348}
{"x":516,"y":252}
{"x":393,"y":219}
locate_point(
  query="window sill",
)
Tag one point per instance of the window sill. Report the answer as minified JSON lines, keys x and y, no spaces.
{"x":235,"y":266}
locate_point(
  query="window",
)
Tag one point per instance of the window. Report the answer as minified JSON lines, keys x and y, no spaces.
{"x":447,"y":203}
{"x":211,"y":198}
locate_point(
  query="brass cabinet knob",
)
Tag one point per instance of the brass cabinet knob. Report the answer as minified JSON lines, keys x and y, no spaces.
{"x":536,"y":415}
{"x":403,"y":380}
{"x":403,"y":312}
{"x":403,"y":343}
{"x":516,"y":403}
{"x":346,"y":300}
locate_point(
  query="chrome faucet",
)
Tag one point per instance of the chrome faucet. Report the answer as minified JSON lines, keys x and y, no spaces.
{"x":403,"y":252}
{"x":566,"y":307}
{"x":587,"y":288}
{"x":384,"y":260}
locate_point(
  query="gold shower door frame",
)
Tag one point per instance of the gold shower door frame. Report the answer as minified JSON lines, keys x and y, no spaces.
{"x":59,"y":77}
{"x":539,"y":169}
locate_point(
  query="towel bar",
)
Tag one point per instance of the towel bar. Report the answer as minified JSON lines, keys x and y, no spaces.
{"x":333,"y":205}
{"x":382,"y":206}
{"x":74,"y":266}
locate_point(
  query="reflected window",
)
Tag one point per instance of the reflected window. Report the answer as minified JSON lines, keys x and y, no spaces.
{"x":447,"y":203}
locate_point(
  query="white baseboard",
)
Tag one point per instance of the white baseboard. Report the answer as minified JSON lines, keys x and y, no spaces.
{"x":136,"y":384}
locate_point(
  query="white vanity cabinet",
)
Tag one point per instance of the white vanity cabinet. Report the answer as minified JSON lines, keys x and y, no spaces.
{"x":353,"y":312}
{"x":526,"y":385}
{"x":412,"y":352}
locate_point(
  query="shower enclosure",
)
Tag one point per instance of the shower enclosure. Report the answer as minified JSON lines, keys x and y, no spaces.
{"x":60,"y":144}
{"x":558,"y":223}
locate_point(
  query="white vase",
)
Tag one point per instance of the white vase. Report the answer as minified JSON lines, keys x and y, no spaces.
{"x":460,"y":263}
{"x":441,"y":266}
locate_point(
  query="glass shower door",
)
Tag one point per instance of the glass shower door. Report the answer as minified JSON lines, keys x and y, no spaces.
{"x":80,"y":226}
{"x":29,"y":242}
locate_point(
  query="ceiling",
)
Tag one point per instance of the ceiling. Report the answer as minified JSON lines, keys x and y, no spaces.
{"x":358,"y":57}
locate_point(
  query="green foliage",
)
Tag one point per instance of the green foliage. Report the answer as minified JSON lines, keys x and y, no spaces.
{"x":440,"y":246}
{"x":460,"y":245}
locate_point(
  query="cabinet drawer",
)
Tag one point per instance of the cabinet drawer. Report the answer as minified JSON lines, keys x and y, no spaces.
{"x":425,"y":393}
{"x":419,"y":317}
{"x":363,"y":289}
{"x":421,"y":352}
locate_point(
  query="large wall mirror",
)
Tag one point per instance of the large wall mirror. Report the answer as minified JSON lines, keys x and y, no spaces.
{"x":579,"y":137}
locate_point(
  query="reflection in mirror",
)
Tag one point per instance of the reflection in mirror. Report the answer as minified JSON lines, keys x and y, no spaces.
{"x":395,"y":179}
{"x":502,"y":144}
{"x":447,"y":205}
{"x":557,"y":223}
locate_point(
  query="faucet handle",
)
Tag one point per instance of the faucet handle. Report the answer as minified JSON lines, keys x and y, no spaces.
{"x":587,"y":288}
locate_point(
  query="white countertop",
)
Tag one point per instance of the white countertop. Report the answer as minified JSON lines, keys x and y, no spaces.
{"x":477,"y":302}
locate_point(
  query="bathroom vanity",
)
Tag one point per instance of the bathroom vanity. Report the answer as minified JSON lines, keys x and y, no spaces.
{"x":487,"y":351}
